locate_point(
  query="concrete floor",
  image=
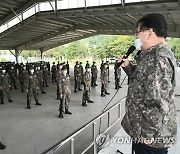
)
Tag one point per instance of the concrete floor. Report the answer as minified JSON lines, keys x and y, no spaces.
{"x":34,"y":131}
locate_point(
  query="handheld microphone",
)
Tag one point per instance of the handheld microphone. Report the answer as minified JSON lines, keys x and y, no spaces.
{"x":130,"y":50}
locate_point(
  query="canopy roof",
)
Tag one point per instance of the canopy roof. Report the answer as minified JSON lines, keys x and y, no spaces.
{"x":48,"y":28}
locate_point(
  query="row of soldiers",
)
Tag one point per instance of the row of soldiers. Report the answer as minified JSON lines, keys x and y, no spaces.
{"x":34,"y":78}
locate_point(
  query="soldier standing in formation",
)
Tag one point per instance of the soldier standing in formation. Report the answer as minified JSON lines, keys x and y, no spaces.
{"x":107,"y":62}
{"x":67,"y":66}
{"x":104,"y":80}
{"x":45,"y":76}
{"x":82,"y":72}
{"x":64,"y":93}
{"x":13,"y":77}
{"x":49,"y":68}
{"x":4,"y":85}
{"x":87,"y":87}
{"x":23,"y":77}
{"x":53,"y":71}
{"x":77,"y":76}
{"x":94,"y":72}
{"x":32,"y":87}
{"x":87,"y":64}
{"x":39,"y":75}
{"x":58,"y":80}
{"x":117,"y":73}
{"x":101,"y":66}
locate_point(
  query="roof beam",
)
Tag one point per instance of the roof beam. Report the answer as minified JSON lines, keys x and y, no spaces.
{"x":20,"y":10}
{"x":73,"y":28}
{"x":41,"y":39}
{"x":68,"y":41}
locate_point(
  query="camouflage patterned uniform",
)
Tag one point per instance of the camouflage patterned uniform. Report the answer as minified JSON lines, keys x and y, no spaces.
{"x":53,"y":71}
{"x":94,"y":72}
{"x":82,"y":72}
{"x":87,"y":87}
{"x":32,"y":88}
{"x":104,"y":80}
{"x":4,"y":86}
{"x":23,"y":77}
{"x":64,"y":92}
{"x":77,"y":76}
{"x":117,"y":74}
{"x":150,"y":108}
{"x":58,"y":80}
{"x":13,"y":77}
{"x":39,"y":74}
{"x":45,"y":76}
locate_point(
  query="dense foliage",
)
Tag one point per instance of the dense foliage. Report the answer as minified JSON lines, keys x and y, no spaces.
{"x":96,"y":48}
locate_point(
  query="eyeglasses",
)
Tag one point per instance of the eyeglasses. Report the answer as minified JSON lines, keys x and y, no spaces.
{"x":137,"y":32}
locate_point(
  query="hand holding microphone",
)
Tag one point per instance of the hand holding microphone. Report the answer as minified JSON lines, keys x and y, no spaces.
{"x":123,"y":61}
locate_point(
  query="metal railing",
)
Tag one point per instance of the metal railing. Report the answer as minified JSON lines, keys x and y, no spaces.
{"x":71,"y":138}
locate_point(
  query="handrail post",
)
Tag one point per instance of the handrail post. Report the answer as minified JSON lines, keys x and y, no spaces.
{"x":108,"y":119}
{"x":94,"y":137}
{"x":119,"y":110}
{"x":72,"y":146}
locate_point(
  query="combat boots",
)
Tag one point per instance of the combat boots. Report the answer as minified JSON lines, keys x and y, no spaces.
{"x":84,"y":103}
{"x":61,"y":114}
{"x":67,"y":111}
{"x":10,"y":100}
{"x":102,"y":94}
{"x":2,"y":146}
{"x":90,"y":101}
{"x":107,"y":93}
{"x":37,"y":102}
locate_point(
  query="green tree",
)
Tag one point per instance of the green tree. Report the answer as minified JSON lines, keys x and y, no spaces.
{"x":174,"y":44}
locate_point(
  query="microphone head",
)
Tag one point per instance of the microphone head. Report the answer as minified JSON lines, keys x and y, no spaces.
{"x":130,"y":50}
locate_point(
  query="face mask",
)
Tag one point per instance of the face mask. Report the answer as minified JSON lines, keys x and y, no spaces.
{"x":89,"y":70}
{"x":32,"y":71}
{"x":138,"y":44}
{"x":64,"y":72}
{"x":3,"y":71}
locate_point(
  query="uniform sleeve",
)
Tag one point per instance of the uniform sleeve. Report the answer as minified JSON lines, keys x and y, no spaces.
{"x":129,"y":69}
{"x":158,"y":92}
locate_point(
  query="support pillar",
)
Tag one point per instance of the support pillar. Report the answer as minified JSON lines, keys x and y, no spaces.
{"x":41,"y":52}
{"x":17,"y":53}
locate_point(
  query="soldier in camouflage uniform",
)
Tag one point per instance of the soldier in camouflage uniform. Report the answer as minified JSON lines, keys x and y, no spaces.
{"x":64,"y":92}
{"x":77,"y":76}
{"x":67,"y":66}
{"x":82,"y":72}
{"x":4,"y":85}
{"x":13,"y":77}
{"x":58,"y":79}
{"x":117,"y":73}
{"x":87,"y":64}
{"x":53,"y":71}
{"x":23,"y":77}
{"x":32,"y":87}
{"x":39,"y":75}
{"x":107,"y":63}
{"x":102,"y":64}
{"x":104,"y":80}
{"x":94,"y":72}
{"x":87,"y":87}
{"x":150,"y":108}
{"x":45,"y":76}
